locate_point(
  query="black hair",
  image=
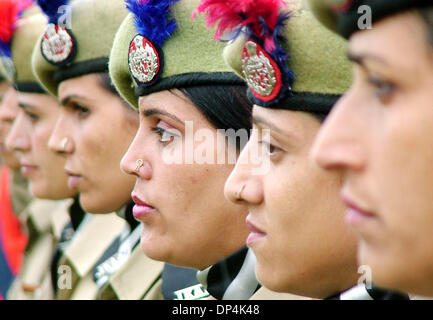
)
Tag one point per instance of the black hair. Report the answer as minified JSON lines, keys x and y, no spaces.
{"x":107,"y":84}
{"x":427,"y":16}
{"x":224,"y":106}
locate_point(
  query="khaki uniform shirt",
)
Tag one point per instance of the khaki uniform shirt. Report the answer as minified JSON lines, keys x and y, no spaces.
{"x":139,"y":278}
{"x":37,"y":257}
{"x":75,"y":268}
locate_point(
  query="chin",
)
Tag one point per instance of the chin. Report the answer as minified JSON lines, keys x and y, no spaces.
{"x":49,"y":194}
{"x":398,"y":273}
{"x":41,"y":192}
{"x":92,"y":204}
{"x":270,"y":278}
{"x":154,"y":252}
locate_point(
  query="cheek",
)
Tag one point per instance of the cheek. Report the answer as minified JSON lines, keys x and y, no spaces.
{"x":405,"y":168}
{"x":39,"y":140}
{"x":92,"y":143}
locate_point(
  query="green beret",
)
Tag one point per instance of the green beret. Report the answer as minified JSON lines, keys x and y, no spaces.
{"x":24,"y":40}
{"x":93,"y":24}
{"x":316,"y":57}
{"x":25,"y":31}
{"x":344,"y":16}
{"x":190,"y":57}
{"x":2,"y":73}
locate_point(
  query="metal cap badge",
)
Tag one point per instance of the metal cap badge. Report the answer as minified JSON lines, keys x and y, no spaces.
{"x":145,"y":60}
{"x":263,"y":59}
{"x":261,"y":72}
{"x":58,"y":46}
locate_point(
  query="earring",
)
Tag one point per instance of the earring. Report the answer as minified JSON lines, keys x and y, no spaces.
{"x":64,"y":143}
{"x":139,"y":163}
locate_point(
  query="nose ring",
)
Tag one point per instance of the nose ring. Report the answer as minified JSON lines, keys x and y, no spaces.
{"x":139,"y":163}
{"x":64,"y":143}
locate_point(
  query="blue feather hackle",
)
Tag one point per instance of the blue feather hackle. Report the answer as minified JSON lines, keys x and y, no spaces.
{"x":278,"y":52}
{"x":5,"y":49}
{"x":153,"y":18}
{"x":51,"y":9}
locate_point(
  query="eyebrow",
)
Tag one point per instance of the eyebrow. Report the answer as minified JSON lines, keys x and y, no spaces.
{"x":26,"y":106}
{"x":360,"y":58}
{"x":155,"y":111}
{"x":258,"y":121}
{"x":66,"y":100}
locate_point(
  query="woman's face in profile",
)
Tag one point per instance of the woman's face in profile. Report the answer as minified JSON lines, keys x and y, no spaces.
{"x":295,"y":216}
{"x":187,"y":220}
{"x":8,"y":112}
{"x":29,"y":137}
{"x":380,"y":136}
{"x":93,"y":130}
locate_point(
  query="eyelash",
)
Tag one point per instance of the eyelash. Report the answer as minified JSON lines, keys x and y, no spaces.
{"x":384,"y":89}
{"x":162,"y":132}
{"x":269,"y":146}
{"x":33,"y":117}
{"x":81,"y":110}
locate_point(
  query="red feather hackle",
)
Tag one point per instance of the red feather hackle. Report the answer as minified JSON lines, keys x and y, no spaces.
{"x":232,"y":15}
{"x":9,"y":14}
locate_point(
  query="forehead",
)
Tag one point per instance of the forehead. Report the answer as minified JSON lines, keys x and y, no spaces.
{"x":399,"y":40}
{"x":84,"y":84}
{"x":173,"y":102}
{"x":294,"y":124}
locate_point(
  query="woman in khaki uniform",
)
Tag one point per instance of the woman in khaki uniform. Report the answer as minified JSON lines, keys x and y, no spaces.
{"x":380,"y":136}
{"x":92,"y":132}
{"x":295,"y":70}
{"x":28,"y":139}
{"x":181,"y":205}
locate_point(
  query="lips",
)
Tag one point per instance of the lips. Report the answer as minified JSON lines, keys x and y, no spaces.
{"x":355,"y":214}
{"x":255,"y":233}
{"x":74,"y":179}
{"x":27,"y":170}
{"x":141,"y":208}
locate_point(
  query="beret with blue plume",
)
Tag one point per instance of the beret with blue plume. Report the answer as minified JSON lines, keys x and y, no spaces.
{"x":77,"y":39}
{"x":159,"y":47}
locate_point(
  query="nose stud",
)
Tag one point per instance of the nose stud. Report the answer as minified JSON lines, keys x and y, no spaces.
{"x":139,"y":163}
{"x":64,"y":143}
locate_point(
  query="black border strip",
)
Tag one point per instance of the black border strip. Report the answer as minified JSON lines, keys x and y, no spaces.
{"x":348,"y":22}
{"x":30,"y":87}
{"x":81,"y":68}
{"x":318,"y":103}
{"x":191,"y":79}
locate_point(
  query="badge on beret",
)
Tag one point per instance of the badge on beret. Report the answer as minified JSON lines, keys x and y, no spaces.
{"x":145,"y":60}
{"x":58,"y":45}
{"x":261,"y":72}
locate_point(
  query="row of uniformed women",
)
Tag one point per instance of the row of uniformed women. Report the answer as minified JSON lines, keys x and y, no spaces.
{"x":169,"y":68}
